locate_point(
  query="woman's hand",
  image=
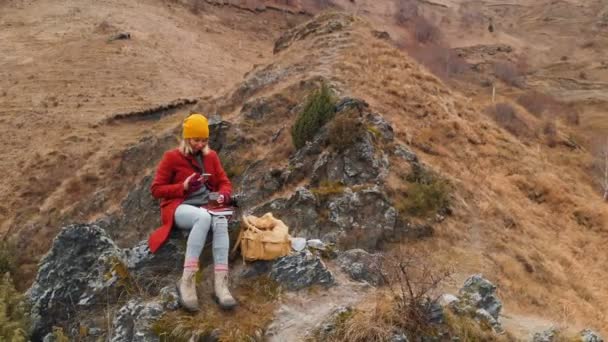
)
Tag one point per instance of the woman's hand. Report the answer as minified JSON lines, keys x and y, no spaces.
{"x":193,"y":182}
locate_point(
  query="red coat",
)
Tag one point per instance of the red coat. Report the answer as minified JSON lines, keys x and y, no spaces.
{"x":168,"y":185}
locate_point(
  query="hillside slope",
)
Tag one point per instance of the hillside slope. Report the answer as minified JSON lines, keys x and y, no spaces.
{"x":62,"y":82}
{"x":524,"y":214}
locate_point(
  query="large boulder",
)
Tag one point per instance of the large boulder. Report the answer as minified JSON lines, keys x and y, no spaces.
{"x":362,"y":266}
{"x":301,"y":270}
{"x":83,"y":268}
{"x":298,"y":212}
{"x":362,"y":217}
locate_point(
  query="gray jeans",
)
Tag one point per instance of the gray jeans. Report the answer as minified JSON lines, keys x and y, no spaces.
{"x":198,"y":221}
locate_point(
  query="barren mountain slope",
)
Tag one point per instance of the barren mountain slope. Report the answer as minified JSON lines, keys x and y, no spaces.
{"x":524,"y":214}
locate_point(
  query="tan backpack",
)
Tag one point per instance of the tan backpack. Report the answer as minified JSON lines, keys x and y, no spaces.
{"x":263,"y":238}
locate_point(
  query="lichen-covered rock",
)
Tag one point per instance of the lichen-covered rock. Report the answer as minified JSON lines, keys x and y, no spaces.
{"x":134,"y":321}
{"x":480,"y":293}
{"x":83,"y":266}
{"x":362,"y":266}
{"x":169,"y":297}
{"x":300,"y":270}
{"x":298,"y":212}
{"x":488,"y":320}
{"x":403,"y":152}
{"x":162,"y":266}
{"x":589,"y":335}
{"x":548,"y":335}
{"x":366,"y":212}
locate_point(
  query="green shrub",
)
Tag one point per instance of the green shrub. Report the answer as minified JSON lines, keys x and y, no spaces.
{"x":426,"y":194}
{"x":318,"y":110}
{"x":13,"y":318}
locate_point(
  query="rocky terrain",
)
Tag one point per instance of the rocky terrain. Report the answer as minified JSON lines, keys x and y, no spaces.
{"x":410,"y":161}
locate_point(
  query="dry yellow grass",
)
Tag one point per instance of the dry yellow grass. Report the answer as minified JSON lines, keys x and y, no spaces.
{"x":526,"y":215}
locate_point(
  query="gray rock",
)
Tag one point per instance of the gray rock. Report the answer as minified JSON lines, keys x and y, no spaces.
{"x":169,"y":297}
{"x":358,"y":164}
{"x":548,"y":335}
{"x":367,"y":212}
{"x":78,"y":271}
{"x":405,"y":153}
{"x":589,"y":335}
{"x":134,"y":321}
{"x":156,"y":270}
{"x":298,"y":212}
{"x":258,"y":182}
{"x":487,"y":319}
{"x":301,"y":270}
{"x":382,"y":126}
{"x":479,"y":292}
{"x":362,"y":266}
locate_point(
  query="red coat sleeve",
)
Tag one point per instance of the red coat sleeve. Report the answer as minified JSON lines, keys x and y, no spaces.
{"x":162,"y":186}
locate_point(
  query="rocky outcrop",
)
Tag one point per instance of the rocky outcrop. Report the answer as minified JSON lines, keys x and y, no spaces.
{"x":359,"y":162}
{"x":86,"y":270}
{"x":83,"y":267}
{"x":477,"y":299}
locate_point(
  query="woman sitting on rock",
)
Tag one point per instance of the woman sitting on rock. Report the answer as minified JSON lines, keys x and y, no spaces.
{"x":184,"y":179}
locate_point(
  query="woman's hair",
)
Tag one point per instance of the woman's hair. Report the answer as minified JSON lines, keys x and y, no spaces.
{"x":185,"y":148}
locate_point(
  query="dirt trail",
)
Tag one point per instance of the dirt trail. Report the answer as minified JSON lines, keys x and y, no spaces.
{"x":303,"y":311}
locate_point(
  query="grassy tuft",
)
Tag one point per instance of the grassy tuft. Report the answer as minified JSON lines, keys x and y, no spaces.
{"x":327,"y":189}
{"x":257,"y":302}
{"x":344,"y":131}
{"x":13,"y":318}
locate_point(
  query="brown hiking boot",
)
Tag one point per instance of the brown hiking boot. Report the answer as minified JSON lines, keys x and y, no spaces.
{"x":222,"y":294}
{"x":186,"y":288}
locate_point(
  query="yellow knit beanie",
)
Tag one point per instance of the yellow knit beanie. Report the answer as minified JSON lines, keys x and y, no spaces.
{"x":196,"y":126}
